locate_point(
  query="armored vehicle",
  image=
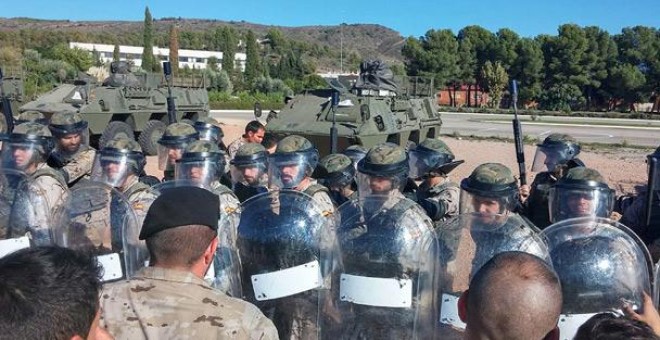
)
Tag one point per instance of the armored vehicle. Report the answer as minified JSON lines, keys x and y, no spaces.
{"x":12,"y":93}
{"x":376,"y":109}
{"x":132,"y":105}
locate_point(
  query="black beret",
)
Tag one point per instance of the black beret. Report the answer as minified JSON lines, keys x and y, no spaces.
{"x":181,"y":206}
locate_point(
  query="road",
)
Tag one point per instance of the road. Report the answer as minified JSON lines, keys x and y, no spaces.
{"x":589,"y":130}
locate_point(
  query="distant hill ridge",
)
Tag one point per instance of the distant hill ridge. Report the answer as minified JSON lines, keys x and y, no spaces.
{"x":369,"y":41}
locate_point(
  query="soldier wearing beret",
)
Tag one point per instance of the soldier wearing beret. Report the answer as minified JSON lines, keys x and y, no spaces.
{"x":169,"y":299}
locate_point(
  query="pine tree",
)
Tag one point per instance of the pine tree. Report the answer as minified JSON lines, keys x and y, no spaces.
{"x":148,"y":52}
{"x":252,"y":59}
{"x":174,"y":49}
{"x":115,"y":53}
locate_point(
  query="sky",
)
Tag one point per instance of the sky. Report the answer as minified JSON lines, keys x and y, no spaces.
{"x":410,"y":18}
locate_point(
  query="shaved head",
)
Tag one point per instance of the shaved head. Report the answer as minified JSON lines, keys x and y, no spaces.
{"x":513,"y":296}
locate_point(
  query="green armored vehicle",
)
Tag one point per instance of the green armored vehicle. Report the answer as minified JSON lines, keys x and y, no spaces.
{"x":376,"y":109}
{"x":12,"y":93}
{"x":132,"y":105}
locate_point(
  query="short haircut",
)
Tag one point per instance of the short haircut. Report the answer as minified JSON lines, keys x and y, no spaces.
{"x":516,"y":295}
{"x":269,"y":141}
{"x":254,"y":126}
{"x":48,"y":293}
{"x":180,"y":246}
{"x":608,"y":326}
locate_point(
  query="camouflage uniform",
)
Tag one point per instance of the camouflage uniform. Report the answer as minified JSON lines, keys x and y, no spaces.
{"x":337,"y":173}
{"x":169,"y":304}
{"x":234,"y":146}
{"x":564,"y":149}
{"x":176,"y":136}
{"x":432,"y":160}
{"x":297,"y":146}
{"x":31,"y":116}
{"x":492,"y":181}
{"x":47,"y":184}
{"x":209,"y":129}
{"x":581,"y":192}
{"x":250,"y":156}
{"x":74,"y":165}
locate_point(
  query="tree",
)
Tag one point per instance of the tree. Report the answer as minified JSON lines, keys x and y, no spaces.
{"x":252,"y":58}
{"x":229,"y":41}
{"x":82,"y":60}
{"x":627,"y":83}
{"x":483,"y":42}
{"x":640,"y":46}
{"x":601,"y":56}
{"x":497,"y":79}
{"x":528,"y":69}
{"x":467,"y":62}
{"x":174,"y":49}
{"x":504,"y":50}
{"x":115,"y":53}
{"x":434,"y":55}
{"x":566,"y":61}
{"x":147,"y":41}
{"x":212,"y":64}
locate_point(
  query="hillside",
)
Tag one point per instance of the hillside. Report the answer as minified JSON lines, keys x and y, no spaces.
{"x":366,"y":41}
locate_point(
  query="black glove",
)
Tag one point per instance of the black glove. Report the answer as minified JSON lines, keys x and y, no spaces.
{"x":435,"y":209}
{"x":56,"y":161}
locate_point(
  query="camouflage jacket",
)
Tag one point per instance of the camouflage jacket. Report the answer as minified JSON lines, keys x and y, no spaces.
{"x":321,"y":196}
{"x":169,"y":304}
{"x":448,"y":192}
{"x":233,"y":147}
{"x":79,"y":166}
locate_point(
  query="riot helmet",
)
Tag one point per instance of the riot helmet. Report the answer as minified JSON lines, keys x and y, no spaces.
{"x":556,"y":150}
{"x":202,"y":162}
{"x":336,"y":172}
{"x":652,"y":204}
{"x":249,"y":166}
{"x":294,"y":160}
{"x":174,"y":140}
{"x":27,"y":146}
{"x":70,"y":131}
{"x":355,"y":152}
{"x":581,"y":192}
{"x":208,"y":129}
{"x":383,"y":170}
{"x":31,"y":116}
{"x":490,"y":189}
{"x":117,"y":160}
{"x":432,"y":157}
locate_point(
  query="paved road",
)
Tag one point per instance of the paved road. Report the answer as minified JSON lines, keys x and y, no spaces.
{"x":592,"y":130}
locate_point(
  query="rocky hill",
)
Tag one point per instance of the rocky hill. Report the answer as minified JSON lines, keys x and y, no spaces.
{"x":367,"y":41}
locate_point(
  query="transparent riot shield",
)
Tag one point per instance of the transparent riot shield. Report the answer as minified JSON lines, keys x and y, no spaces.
{"x":466,"y":242}
{"x":225,"y":271}
{"x":652,"y":203}
{"x":286,"y":244}
{"x":98,"y":219}
{"x":600,"y":263}
{"x":14,"y":213}
{"x":388,"y":251}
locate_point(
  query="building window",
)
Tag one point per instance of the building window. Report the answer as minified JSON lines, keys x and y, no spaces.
{"x":183,"y":59}
{"x":199,"y":60}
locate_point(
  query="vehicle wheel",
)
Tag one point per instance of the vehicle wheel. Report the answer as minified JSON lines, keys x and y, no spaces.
{"x":150,"y":135}
{"x":116,"y":129}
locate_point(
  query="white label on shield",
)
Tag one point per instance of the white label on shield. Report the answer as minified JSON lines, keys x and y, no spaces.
{"x":449,"y":312}
{"x":376,"y":291}
{"x":287,"y":282}
{"x":11,"y":245}
{"x":569,"y":324}
{"x":111,"y":265}
{"x":210,"y":273}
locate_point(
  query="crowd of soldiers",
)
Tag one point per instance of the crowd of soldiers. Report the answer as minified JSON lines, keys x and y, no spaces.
{"x":362,"y":244}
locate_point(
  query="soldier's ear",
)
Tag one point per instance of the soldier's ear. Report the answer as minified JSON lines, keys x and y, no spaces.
{"x":462,"y":306}
{"x":209,"y":253}
{"x":553,"y":335}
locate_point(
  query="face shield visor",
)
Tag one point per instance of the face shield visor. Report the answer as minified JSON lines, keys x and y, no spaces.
{"x":484,"y":198}
{"x":568,"y":201}
{"x":423,"y":162}
{"x":19,"y":155}
{"x":113,"y":168}
{"x":287,"y":170}
{"x":355,"y":156}
{"x":201,"y":171}
{"x":250,"y":170}
{"x":169,"y":153}
{"x":337,"y":181}
{"x":547,"y":158}
{"x":70,"y":138}
{"x":209,"y":132}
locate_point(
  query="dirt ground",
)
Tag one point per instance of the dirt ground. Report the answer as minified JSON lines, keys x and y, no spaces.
{"x":623,"y":168}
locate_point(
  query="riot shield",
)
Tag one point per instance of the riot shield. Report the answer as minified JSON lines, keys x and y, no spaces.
{"x":98,"y":219}
{"x":466,"y":243}
{"x":600,"y":263}
{"x":24,"y":211}
{"x":16,"y":210}
{"x":286,"y":244}
{"x":387,"y":286}
{"x":224,"y":273}
{"x":652,"y":204}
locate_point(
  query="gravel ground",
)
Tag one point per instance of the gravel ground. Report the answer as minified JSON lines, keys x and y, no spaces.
{"x":623,"y":168}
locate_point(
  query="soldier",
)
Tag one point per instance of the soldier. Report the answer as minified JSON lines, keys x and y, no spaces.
{"x":432,"y":161}
{"x":203,"y":164}
{"x":31,"y":116}
{"x":337,"y":173}
{"x":388,"y":252}
{"x":515,"y":295}
{"x":171,"y":145}
{"x":72,"y":155}
{"x":490,"y":189}
{"x":355,"y":152}
{"x":209,"y":130}
{"x":254,"y":133}
{"x":644,"y":212}
{"x":249,"y":171}
{"x":170,"y":299}
{"x":270,"y":142}
{"x":26,"y":150}
{"x":581,"y":192}
{"x":553,"y":158}
{"x":119,"y":163}
{"x":291,"y":167}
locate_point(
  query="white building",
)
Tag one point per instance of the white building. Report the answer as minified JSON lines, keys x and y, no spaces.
{"x":191,"y":58}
